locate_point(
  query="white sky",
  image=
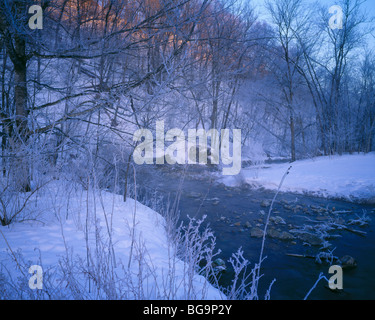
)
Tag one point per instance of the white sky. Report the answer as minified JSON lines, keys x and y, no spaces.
{"x":368,"y":7}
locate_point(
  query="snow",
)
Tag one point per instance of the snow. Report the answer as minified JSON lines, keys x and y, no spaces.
{"x":59,"y":217}
{"x":351,"y":177}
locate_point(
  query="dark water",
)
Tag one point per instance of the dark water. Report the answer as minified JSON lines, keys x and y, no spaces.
{"x":232,"y":212}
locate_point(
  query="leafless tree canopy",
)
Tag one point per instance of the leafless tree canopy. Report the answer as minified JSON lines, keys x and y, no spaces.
{"x":99,"y":70}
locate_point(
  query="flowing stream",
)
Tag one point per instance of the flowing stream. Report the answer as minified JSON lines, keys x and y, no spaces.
{"x":235,"y":213}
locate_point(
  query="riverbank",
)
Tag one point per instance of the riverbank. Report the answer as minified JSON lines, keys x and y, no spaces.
{"x":349,"y":177}
{"x":90,"y":244}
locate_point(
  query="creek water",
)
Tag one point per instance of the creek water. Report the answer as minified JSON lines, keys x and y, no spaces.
{"x":232,"y":212}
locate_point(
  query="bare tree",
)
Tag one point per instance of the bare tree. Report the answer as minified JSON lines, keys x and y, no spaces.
{"x":329,"y":56}
{"x":290,"y":19}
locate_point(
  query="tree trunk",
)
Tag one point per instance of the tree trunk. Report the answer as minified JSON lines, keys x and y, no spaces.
{"x":292,"y":139}
{"x":21,"y":135}
{"x":15,"y":44}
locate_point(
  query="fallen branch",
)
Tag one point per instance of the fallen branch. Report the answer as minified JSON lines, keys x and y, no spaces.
{"x":300,"y":255}
{"x":361,"y":233}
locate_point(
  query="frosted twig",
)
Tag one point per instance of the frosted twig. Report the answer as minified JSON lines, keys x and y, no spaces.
{"x":321,"y":276}
{"x":266,"y":225}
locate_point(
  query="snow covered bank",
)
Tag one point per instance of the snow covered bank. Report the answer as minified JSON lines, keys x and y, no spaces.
{"x":348,"y":176}
{"x":92,"y":245}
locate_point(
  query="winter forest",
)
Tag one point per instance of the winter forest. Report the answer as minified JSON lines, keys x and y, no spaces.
{"x":81,"y":78}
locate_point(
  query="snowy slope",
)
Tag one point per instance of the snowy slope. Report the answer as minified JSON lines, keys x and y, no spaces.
{"x":347,"y":176}
{"x":58,"y":234}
